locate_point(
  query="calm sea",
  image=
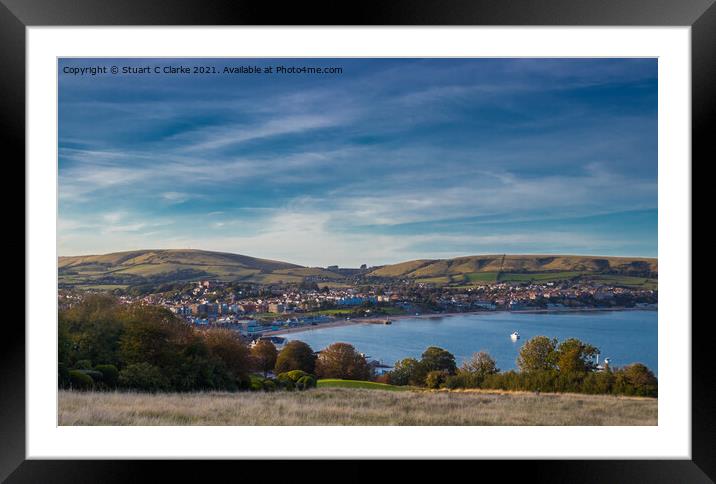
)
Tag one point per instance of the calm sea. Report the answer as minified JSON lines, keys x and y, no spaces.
{"x":623,"y":336}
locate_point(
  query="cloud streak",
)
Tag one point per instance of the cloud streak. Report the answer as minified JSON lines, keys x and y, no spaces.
{"x":395,"y":159}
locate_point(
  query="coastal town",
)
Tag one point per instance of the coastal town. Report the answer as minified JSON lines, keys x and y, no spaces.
{"x":256,"y":311}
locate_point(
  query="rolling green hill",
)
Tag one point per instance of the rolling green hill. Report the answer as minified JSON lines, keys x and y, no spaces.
{"x":178,"y":265}
{"x":495,"y":265}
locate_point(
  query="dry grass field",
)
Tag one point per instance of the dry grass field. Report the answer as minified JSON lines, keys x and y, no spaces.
{"x":344,"y":406}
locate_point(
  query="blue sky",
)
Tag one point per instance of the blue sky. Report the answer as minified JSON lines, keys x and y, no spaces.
{"x":394,"y":159}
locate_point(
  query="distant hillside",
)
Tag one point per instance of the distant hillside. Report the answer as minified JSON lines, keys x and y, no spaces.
{"x":420,"y":269}
{"x":178,"y":265}
{"x":175,"y":265}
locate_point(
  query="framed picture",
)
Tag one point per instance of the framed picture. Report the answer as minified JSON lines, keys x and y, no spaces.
{"x":424,"y":231}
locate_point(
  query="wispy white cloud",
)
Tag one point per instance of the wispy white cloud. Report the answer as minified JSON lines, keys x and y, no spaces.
{"x":332,"y":168}
{"x":217,"y":137}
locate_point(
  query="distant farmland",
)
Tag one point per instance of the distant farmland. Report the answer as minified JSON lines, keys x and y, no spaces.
{"x":122,"y":269}
{"x":480,"y":278}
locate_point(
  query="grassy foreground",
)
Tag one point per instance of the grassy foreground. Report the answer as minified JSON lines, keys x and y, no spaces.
{"x":352,"y":406}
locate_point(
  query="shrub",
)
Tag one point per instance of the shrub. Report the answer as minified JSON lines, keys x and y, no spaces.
{"x":384,"y":378}
{"x":83,"y":365}
{"x":290,"y":380}
{"x":598,"y":383}
{"x":80,"y":380}
{"x":509,"y":380}
{"x":269,"y":385}
{"x":436,"y":378}
{"x":538,"y":380}
{"x":295,"y":375}
{"x":110,"y":374}
{"x":244,"y":383}
{"x":461,"y":380}
{"x":287,"y":384}
{"x":569,"y":381}
{"x":306,"y":382}
{"x":143,"y":376}
{"x":95,"y":375}
{"x":257,"y":384}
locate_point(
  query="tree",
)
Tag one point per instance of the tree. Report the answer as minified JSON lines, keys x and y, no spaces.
{"x":574,"y":356}
{"x":225,"y":345}
{"x":435,"y":359}
{"x":537,"y":354}
{"x":341,"y":360}
{"x":263,"y":356}
{"x":481,"y":363}
{"x":477,"y":368}
{"x":408,"y":371}
{"x":195,"y":368}
{"x":90,"y":331}
{"x":296,"y":355}
{"x":154,"y":336}
{"x":635,"y":379}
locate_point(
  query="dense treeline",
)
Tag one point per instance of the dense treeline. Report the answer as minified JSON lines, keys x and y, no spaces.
{"x":103,"y":344}
{"x":106,"y":345}
{"x":544,"y":365}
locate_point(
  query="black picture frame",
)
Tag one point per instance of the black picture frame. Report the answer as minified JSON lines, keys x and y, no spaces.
{"x":700,"y":15}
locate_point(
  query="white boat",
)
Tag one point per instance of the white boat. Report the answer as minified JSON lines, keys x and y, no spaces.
{"x":515,"y":335}
{"x":598,"y":367}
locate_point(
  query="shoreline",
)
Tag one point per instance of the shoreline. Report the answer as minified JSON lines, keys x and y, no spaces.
{"x":368,"y":320}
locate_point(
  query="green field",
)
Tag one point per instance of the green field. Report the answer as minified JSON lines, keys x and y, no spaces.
{"x":482,"y":277}
{"x":391,"y":310}
{"x":435,"y":280}
{"x":629,"y":281}
{"x":538,"y":277}
{"x":369,"y":385}
{"x":354,"y":311}
{"x":322,"y":312}
{"x":329,"y":312}
{"x":464,"y":281}
{"x":103,"y":287}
